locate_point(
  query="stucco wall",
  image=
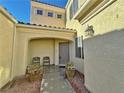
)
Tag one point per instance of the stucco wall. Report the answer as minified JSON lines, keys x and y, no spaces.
{"x":6,"y":44}
{"x":109,"y":19}
{"x":103,"y":55}
{"x":44,"y":19}
{"x":104,"y":22}
{"x":81,"y":2}
{"x":103,"y":61}
{"x":79,"y":63}
{"x":42,"y":48}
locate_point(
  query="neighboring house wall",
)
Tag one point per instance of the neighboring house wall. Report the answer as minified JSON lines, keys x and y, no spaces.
{"x":103,"y":60}
{"x":44,"y":19}
{"x":6,"y":48}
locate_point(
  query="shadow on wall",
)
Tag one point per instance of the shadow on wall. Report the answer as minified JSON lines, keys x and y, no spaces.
{"x":104,"y":62}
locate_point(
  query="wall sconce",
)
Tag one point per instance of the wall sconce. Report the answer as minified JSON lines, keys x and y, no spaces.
{"x":89,"y":31}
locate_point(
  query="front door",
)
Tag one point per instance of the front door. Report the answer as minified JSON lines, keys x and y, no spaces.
{"x":63,"y":53}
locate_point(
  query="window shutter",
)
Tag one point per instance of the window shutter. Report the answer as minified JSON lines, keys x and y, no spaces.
{"x":77,"y":49}
{"x":82,"y":48}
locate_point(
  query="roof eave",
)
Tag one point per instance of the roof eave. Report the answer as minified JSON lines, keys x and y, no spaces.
{"x":46,"y":28}
{"x":7,"y":14}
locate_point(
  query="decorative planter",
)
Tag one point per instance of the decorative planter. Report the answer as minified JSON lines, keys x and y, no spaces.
{"x":70,"y":70}
{"x":70,"y":73}
{"x":34,"y":72}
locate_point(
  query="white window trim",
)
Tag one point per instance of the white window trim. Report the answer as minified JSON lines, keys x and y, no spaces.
{"x":51,"y":12}
{"x":35,"y":11}
{"x":59,"y":14}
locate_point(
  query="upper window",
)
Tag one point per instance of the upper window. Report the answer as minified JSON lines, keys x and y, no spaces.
{"x":59,"y":16}
{"x":73,"y":8}
{"x":71,"y":13}
{"x":39,"y":12}
{"x":50,"y":14}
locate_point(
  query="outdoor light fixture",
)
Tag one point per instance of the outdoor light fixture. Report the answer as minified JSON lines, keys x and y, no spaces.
{"x":89,"y":31}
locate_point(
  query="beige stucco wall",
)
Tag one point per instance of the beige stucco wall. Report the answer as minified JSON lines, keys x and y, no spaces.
{"x":44,"y":19}
{"x":103,"y":61}
{"x":80,"y":2}
{"x":6,"y":47}
{"x":109,"y":19}
{"x":79,"y":63}
{"x":42,"y":48}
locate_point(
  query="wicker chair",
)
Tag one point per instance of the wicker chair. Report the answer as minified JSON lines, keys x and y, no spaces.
{"x":36,"y":60}
{"x":46,"y":62}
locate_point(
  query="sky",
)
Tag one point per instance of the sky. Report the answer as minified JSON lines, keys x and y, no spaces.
{"x":20,"y":9}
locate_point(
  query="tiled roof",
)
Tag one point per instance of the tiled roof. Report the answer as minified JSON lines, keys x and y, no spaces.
{"x":47,"y":26}
{"x":39,"y":1}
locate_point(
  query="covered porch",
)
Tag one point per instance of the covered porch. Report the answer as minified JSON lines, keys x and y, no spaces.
{"x":56,"y":49}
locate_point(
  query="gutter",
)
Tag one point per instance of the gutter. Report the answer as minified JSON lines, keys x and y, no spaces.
{"x":13,"y":53}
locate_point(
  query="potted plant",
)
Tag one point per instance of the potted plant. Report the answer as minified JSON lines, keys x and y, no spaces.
{"x":70,"y":70}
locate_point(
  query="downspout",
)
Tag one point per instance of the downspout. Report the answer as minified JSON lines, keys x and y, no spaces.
{"x":13,"y":52}
{"x":54,"y":50}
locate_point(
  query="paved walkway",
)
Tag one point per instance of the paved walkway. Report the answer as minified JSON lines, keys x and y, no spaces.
{"x":54,"y":82}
